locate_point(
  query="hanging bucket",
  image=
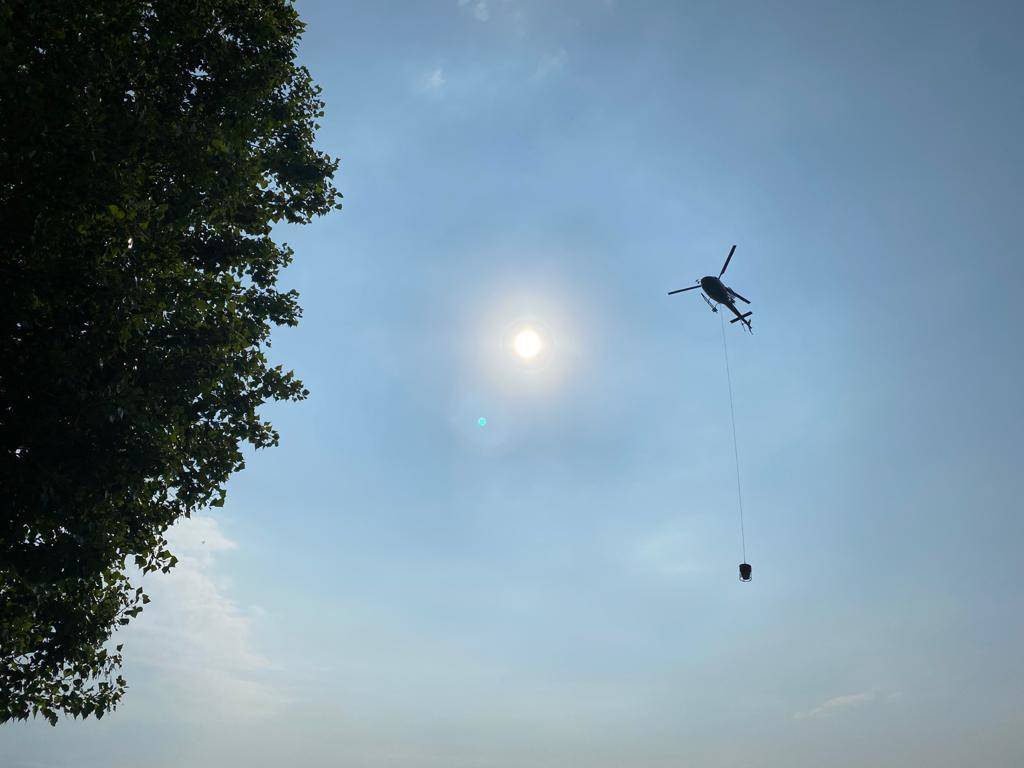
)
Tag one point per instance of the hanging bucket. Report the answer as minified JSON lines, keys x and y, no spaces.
{"x":745,"y":570}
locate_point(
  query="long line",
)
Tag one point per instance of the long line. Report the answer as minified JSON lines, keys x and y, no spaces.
{"x":735,"y":443}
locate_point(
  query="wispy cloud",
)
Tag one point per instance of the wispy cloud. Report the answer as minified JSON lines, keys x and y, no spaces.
{"x":431,"y":81}
{"x":478,"y":7}
{"x":662,"y":556}
{"x":194,"y":637}
{"x":669,"y":552}
{"x":837,"y":703}
{"x":551,"y":64}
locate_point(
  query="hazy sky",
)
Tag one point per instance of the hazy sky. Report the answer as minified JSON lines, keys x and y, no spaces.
{"x":398,"y":587}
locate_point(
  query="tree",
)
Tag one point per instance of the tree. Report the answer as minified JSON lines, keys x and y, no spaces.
{"x":146,"y":149}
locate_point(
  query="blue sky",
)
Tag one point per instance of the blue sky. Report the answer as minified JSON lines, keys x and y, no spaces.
{"x":397,"y":587}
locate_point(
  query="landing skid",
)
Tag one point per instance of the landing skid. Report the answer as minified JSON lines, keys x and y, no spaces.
{"x":708,"y":301}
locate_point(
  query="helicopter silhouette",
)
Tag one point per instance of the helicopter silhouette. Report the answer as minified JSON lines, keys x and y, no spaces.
{"x":718,"y":292}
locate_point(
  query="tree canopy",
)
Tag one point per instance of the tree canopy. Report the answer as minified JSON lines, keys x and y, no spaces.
{"x":146,"y":149}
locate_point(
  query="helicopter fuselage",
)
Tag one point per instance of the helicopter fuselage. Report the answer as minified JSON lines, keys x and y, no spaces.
{"x":715,"y":290}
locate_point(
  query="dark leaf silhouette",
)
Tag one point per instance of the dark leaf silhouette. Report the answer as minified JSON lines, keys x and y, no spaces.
{"x":146,"y":149}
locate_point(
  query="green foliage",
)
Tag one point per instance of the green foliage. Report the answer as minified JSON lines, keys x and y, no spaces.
{"x":146,"y":149}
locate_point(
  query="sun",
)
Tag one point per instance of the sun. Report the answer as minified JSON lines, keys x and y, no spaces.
{"x":527,"y":344}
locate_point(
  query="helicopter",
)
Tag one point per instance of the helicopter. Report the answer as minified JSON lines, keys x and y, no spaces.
{"x":718,"y":292}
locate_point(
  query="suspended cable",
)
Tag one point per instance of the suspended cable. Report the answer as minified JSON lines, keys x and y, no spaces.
{"x":735,"y":443}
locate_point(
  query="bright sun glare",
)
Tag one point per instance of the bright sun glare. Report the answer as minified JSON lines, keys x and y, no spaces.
{"x":527,"y":344}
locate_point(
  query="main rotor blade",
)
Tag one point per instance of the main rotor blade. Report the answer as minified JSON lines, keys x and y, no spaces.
{"x":727,"y":260}
{"x":730,"y":290}
{"x":692,"y":287}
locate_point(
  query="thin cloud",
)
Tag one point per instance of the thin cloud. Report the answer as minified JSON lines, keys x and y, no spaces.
{"x":432,"y":81}
{"x":837,"y":703}
{"x":551,"y":64}
{"x":669,"y":552}
{"x":194,"y":637}
{"x":479,"y":9}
